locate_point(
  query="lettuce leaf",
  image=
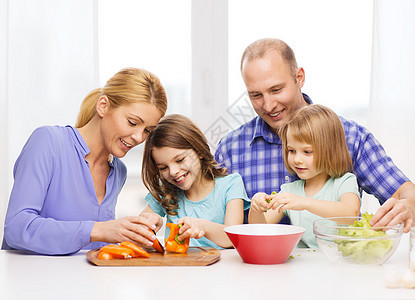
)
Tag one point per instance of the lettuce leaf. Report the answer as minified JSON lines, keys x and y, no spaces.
{"x":363,"y":252}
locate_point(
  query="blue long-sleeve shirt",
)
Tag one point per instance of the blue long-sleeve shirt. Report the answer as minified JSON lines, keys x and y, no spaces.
{"x":53,"y":204}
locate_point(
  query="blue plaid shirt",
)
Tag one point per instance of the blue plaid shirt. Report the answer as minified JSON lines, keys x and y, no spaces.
{"x":255,"y":151}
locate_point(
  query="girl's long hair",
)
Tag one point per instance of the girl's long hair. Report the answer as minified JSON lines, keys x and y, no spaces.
{"x":320,"y":127}
{"x":178,"y":132}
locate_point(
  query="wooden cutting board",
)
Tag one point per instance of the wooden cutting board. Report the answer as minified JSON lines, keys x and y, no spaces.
{"x":195,"y":256}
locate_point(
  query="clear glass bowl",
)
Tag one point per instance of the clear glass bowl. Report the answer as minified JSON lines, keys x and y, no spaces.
{"x":344,"y":244}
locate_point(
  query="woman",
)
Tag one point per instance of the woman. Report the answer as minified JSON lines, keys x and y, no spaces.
{"x":67,"y":179}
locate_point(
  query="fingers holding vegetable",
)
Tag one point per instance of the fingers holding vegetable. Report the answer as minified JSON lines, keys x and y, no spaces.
{"x":261,"y":202}
{"x":133,"y":229}
{"x":138,"y":231}
{"x":289,"y":201}
{"x":191,"y":228}
{"x":172,"y":242}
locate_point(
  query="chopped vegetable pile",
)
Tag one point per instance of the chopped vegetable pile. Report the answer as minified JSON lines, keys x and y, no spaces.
{"x":123,"y":250}
{"x":363,"y":251}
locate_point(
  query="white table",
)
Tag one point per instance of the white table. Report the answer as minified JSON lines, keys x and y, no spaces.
{"x":309,"y":275}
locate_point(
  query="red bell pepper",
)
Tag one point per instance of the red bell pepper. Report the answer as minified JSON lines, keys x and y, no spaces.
{"x":172,"y":243}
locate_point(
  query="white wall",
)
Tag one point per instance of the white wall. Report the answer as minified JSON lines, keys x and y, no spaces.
{"x":209,"y":60}
{"x":47,"y":66}
{"x":392,"y":104}
{"x":4,"y":179}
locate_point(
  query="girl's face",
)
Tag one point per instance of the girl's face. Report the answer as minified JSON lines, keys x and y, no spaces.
{"x":127,"y":126}
{"x":180,"y":167}
{"x":300,"y":158}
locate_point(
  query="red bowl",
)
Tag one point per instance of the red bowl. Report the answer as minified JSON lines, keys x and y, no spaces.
{"x":264,"y":244}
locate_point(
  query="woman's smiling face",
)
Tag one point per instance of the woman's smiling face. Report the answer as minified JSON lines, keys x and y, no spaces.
{"x":180,"y":167}
{"x":127,"y":126}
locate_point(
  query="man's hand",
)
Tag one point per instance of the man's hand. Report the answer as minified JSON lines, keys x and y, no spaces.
{"x":400,"y":208}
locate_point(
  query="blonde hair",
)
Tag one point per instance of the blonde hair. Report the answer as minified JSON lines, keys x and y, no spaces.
{"x":178,"y":132}
{"x":129,"y":85}
{"x":260,"y":48}
{"x":320,"y":127}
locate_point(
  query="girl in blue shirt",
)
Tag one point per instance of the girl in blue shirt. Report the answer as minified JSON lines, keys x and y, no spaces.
{"x":315,"y":149}
{"x":67,"y":179}
{"x":187,"y":185}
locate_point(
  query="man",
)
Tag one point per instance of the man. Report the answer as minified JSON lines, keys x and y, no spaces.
{"x":274,"y":81}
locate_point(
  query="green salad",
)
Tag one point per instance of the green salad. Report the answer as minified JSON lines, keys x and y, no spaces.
{"x":363,"y":252}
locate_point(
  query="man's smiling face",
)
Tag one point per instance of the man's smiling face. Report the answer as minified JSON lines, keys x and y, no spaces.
{"x":274,"y":92}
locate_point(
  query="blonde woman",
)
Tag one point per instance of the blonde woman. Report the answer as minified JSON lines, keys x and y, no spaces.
{"x":67,"y":178}
{"x":315,"y":150}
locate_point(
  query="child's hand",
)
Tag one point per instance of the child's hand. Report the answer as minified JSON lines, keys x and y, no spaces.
{"x":262,"y":202}
{"x":191,"y":228}
{"x":285,"y":201}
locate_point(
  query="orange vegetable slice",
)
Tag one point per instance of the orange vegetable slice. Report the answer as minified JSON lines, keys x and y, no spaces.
{"x":138,"y":251}
{"x":104,"y":255}
{"x":156,"y":244}
{"x":118,"y":251}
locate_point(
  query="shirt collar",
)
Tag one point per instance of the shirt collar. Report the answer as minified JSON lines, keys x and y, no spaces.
{"x":262,"y":129}
{"x":79,"y":141}
{"x":82,"y":147}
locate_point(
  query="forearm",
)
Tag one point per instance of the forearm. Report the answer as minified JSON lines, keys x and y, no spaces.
{"x":98,"y":232}
{"x":256,"y":217}
{"x":327,"y":209}
{"x":406,"y":192}
{"x":215,"y":232}
{"x":406,"y":197}
{"x":47,"y":236}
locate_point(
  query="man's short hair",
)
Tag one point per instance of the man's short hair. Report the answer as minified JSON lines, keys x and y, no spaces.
{"x":260,"y":48}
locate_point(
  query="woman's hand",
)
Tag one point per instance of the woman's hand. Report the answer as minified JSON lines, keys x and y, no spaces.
{"x":191,"y":228}
{"x":153,"y":218}
{"x":134,"y":229}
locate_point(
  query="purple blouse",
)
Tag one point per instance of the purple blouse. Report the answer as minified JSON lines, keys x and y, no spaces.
{"x":53,"y":205}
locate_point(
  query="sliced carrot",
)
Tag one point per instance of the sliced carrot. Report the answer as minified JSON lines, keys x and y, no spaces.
{"x":118,"y":251}
{"x":104,"y":255}
{"x":138,"y":251}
